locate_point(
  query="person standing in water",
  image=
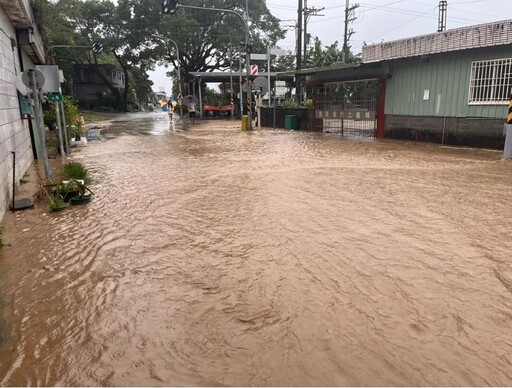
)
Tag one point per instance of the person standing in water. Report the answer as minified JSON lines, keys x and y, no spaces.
{"x":170,"y":110}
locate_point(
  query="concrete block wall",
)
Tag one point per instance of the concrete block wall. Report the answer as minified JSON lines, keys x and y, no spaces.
{"x":14,"y":131}
{"x":460,"y":131}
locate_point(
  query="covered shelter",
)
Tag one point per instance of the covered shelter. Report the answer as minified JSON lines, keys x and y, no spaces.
{"x":235,"y":78}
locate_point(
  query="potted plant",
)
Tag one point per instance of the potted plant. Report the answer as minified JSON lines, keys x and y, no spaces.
{"x":84,"y":194}
{"x":56,"y":202}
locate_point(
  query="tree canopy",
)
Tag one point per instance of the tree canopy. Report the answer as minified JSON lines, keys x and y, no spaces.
{"x":137,"y":35}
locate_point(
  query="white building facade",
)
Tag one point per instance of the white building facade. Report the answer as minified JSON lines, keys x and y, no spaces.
{"x":21,"y":48}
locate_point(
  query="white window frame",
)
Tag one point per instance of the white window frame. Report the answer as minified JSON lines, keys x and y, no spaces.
{"x":490,"y":82}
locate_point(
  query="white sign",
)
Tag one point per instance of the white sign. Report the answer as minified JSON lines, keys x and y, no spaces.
{"x":258,"y":57}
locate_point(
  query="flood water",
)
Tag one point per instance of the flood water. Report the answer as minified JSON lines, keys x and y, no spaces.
{"x":212,"y":256}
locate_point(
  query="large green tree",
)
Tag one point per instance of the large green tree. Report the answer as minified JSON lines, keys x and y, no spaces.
{"x":323,"y":56}
{"x":211,"y":40}
{"x":135,"y":33}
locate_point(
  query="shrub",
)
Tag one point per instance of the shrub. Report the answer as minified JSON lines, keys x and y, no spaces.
{"x":75,"y":170}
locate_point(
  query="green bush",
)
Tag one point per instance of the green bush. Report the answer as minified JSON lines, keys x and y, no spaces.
{"x":50,"y":117}
{"x":75,"y":170}
{"x":308,"y":104}
{"x":292,"y":104}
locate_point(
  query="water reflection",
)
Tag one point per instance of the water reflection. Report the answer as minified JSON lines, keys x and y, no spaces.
{"x":212,"y":256}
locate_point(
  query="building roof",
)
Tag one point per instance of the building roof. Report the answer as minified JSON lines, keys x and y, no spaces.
{"x":343,"y":72}
{"x":465,"y":38}
{"x":218,"y":76}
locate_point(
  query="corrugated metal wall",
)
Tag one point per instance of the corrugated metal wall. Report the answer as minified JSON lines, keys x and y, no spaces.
{"x":438,"y":85}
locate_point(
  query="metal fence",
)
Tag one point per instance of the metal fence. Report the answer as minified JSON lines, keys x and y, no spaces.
{"x":347,"y":108}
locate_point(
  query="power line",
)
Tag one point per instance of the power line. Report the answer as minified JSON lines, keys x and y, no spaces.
{"x":403,"y":24}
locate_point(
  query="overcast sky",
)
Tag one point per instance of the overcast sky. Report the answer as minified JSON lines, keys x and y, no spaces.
{"x":376,"y":21}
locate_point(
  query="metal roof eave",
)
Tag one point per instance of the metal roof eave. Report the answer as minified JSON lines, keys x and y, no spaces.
{"x":210,"y":76}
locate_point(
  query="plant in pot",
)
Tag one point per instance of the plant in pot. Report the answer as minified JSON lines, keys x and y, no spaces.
{"x":56,"y":202}
{"x":84,"y":194}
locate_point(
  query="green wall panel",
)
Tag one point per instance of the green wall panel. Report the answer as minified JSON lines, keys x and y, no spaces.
{"x":446,"y":77}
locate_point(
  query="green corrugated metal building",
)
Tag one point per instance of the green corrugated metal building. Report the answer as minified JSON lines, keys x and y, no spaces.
{"x":452,"y":87}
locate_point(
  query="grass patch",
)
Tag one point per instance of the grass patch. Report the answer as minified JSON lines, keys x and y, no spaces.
{"x":92,"y":117}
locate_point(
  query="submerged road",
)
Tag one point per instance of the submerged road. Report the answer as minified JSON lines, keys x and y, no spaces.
{"x":212,"y":256}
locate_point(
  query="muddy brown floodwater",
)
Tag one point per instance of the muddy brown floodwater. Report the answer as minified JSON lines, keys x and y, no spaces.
{"x":212,"y":256}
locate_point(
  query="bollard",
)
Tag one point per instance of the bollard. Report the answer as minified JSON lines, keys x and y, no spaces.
{"x":507,"y":131}
{"x":245,"y":122}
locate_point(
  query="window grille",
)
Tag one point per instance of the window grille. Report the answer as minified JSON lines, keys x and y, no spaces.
{"x":490,"y":81}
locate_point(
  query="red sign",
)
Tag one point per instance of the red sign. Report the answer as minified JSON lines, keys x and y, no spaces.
{"x":254,"y":69}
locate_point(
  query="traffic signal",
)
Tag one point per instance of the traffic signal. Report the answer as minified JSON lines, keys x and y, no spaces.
{"x":97,"y":47}
{"x":169,"y":6}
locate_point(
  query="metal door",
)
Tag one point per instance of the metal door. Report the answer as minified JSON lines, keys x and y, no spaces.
{"x":347,"y":108}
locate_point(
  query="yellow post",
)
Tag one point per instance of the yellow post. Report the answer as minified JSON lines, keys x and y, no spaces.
{"x":245,"y":123}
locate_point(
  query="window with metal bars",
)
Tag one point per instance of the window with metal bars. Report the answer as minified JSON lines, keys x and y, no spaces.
{"x":490,"y":81}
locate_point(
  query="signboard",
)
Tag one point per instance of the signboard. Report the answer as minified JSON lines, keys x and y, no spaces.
{"x":260,"y":85}
{"x":26,"y":111}
{"x":27,"y":79}
{"x":52,"y":78}
{"x":259,"y":57}
{"x":54,"y":97}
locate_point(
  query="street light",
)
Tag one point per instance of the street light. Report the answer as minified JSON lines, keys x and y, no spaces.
{"x":179,"y":67}
{"x":247,"y":46}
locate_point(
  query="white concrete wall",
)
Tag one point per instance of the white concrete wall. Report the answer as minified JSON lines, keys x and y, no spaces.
{"x":14,"y":132}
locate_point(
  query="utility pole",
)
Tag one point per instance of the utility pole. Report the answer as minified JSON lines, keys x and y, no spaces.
{"x":298,"y":88}
{"x":441,"y":24}
{"x":308,"y":12}
{"x":349,"y":17}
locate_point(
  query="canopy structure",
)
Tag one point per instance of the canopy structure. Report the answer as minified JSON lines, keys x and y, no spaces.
{"x":237,"y":77}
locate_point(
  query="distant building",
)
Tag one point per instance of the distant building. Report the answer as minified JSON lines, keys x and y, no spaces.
{"x":21,"y":48}
{"x":90,"y":84}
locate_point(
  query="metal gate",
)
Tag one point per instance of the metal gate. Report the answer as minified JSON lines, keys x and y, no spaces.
{"x":347,"y":108}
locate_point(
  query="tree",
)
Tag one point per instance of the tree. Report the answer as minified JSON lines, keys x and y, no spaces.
{"x":131,"y":32}
{"x":205,"y":38}
{"x":78,"y":23}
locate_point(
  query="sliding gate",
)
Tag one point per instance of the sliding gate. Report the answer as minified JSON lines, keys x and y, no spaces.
{"x":347,"y":108}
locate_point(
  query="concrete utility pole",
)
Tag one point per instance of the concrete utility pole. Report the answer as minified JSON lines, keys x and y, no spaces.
{"x":441,"y":24}
{"x":298,"y":89}
{"x":349,"y":17}
{"x":308,"y":12}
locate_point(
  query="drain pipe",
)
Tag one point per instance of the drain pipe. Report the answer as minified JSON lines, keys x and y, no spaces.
{"x":13,"y":179}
